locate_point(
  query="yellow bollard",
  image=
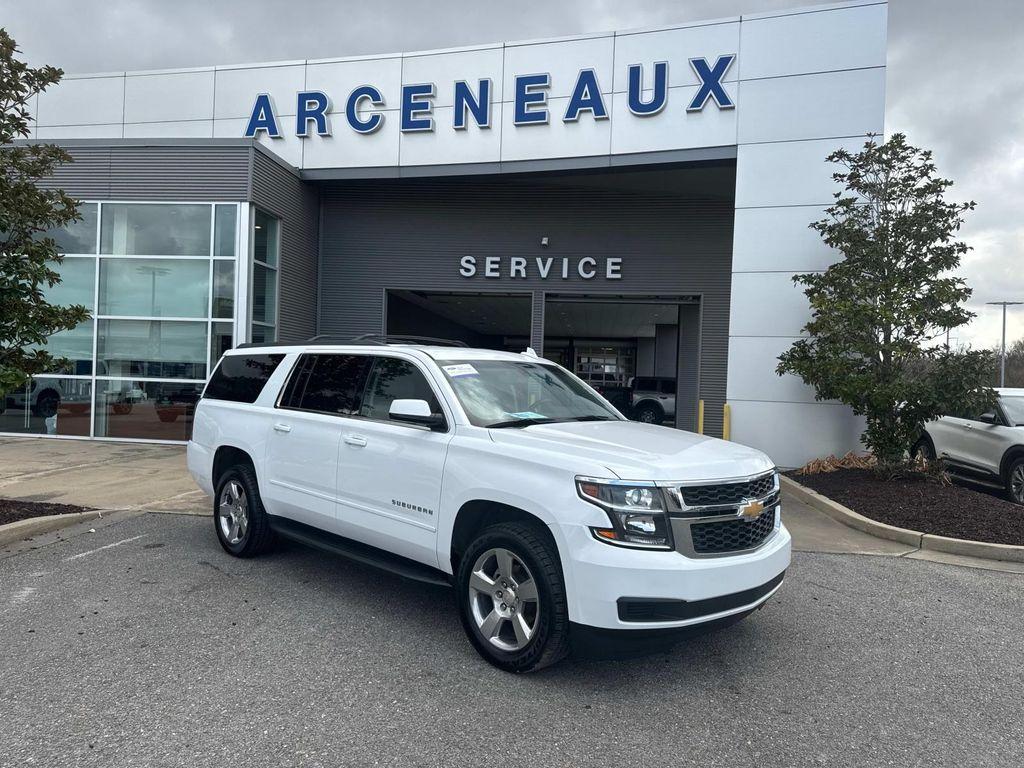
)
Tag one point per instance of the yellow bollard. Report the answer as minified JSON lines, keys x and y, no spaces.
{"x":726,"y":421}
{"x":700,"y":417}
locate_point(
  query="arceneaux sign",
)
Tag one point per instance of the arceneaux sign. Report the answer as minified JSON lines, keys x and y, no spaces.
{"x":530,"y":101}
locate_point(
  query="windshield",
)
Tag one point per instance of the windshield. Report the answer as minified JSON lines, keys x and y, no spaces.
{"x":511,"y":393}
{"x":1014,"y":407}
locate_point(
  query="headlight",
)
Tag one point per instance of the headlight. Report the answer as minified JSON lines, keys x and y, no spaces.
{"x":636,"y":511}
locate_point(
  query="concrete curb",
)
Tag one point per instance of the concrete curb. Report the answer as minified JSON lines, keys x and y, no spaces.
{"x":965,"y":547}
{"x":34,"y":526}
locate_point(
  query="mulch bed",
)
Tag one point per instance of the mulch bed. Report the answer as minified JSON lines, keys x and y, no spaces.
{"x":912,"y":502}
{"x":12,"y":510}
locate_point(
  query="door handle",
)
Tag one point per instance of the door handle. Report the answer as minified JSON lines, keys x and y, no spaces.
{"x":358,"y":440}
{"x":282,"y":427}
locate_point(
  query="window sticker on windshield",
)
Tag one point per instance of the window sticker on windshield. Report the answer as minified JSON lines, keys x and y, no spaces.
{"x":527,"y":415}
{"x":463,"y":369}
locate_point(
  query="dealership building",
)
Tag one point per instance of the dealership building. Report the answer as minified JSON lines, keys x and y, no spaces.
{"x":633,"y":205}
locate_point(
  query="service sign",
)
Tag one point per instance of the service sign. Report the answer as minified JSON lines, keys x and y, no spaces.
{"x":647,"y":94}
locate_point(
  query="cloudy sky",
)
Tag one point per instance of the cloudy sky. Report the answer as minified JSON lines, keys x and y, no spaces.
{"x":955,"y":76}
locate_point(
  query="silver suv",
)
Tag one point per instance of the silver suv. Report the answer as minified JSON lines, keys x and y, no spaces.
{"x":653,"y":399}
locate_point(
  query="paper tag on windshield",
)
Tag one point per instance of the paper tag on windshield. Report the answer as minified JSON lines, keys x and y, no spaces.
{"x":462,"y":369}
{"x":525,"y":415}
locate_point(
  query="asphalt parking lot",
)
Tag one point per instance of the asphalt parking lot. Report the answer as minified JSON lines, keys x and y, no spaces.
{"x":144,"y":644}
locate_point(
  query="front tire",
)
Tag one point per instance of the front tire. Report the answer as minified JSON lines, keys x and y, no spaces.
{"x":923,"y":450}
{"x":239,"y":518}
{"x":512,"y":598}
{"x":650,"y":414}
{"x":1015,"y":480}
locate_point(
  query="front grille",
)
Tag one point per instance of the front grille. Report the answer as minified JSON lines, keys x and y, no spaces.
{"x":728,"y":493}
{"x":732,"y":535}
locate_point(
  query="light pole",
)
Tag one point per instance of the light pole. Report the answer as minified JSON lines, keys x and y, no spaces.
{"x":1002,"y":354}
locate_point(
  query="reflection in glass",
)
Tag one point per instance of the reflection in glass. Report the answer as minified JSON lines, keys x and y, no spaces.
{"x":223,"y":289}
{"x":264,"y":238}
{"x":75,"y":347}
{"x":264,"y":294}
{"x":48,"y":406}
{"x":77,"y":283}
{"x":221,"y":340}
{"x":152,"y":348}
{"x":262,"y":334}
{"x":78,"y":236}
{"x":224,"y":230}
{"x":154,"y":287}
{"x":155,"y":230}
{"x":145,"y":409}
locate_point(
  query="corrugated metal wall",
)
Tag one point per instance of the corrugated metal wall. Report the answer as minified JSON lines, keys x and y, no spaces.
{"x":279,"y":191}
{"x":411,"y":234}
{"x":161,"y":172}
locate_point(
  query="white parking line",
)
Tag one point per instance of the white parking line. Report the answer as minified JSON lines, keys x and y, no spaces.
{"x":106,"y":546}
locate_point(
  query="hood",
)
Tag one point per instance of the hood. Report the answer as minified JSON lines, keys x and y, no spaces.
{"x":633,"y":451}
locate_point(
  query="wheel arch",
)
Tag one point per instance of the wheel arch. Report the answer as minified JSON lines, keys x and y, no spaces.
{"x":1009,"y":456}
{"x":475,"y":515}
{"x":225,"y":457}
{"x":650,"y":403}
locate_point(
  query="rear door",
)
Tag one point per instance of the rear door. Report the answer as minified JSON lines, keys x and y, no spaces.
{"x":389,"y":472}
{"x":305,"y":437}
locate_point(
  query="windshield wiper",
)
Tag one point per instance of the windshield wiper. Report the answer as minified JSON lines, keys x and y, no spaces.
{"x":593,"y":417}
{"x":520,"y":423}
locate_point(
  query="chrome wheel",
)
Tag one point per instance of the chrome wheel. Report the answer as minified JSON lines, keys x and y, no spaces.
{"x":233,"y":512}
{"x":1017,"y":483}
{"x":503,"y":599}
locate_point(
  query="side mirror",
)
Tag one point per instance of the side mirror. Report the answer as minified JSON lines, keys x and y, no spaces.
{"x":415,"y":412}
{"x":989,"y":418}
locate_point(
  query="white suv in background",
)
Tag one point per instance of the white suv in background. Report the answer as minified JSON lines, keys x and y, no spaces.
{"x":987,"y":449}
{"x":502,"y":474}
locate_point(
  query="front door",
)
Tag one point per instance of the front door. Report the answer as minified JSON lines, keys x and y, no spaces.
{"x":389,"y":473}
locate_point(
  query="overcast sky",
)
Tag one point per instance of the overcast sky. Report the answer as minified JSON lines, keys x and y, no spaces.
{"x":955,"y":75}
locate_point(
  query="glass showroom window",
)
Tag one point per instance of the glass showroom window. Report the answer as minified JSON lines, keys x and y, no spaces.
{"x":266,"y":245}
{"x":159,"y":279}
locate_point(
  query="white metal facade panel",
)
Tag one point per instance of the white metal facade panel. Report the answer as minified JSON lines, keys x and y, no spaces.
{"x":753,"y":359}
{"x":443,"y":69}
{"x":82,"y":101}
{"x":677,"y":129}
{"x":779,"y":239}
{"x":98,"y":131}
{"x":583,"y":138}
{"x":339,"y":78}
{"x":563,"y":60}
{"x":826,"y":40}
{"x":794,"y":433}
{"x":787,"y":173}
{"x":193,"y":129}
{"x":767,"y":304}
{"x":168,"y":97}
{"x":676,"y":47}
{"x":237,"y":90}
{"x":449,"y":146}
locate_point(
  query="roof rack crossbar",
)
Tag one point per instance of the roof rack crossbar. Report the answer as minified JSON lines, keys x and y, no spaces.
{"x":367,"y":339}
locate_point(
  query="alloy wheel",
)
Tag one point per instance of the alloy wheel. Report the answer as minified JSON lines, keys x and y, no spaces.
{"x":503,"y":599}
{"x":233,"y":512}
{"x":1017,"y":484}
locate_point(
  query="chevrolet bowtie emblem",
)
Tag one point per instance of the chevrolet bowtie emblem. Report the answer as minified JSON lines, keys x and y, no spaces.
{"x":751,"y":510}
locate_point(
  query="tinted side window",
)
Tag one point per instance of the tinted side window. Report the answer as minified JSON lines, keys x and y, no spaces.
{"x":644,"y":385}
{"x":241,"y":378}
{"x":335,"y":383}
{"x":391,"y":380}
{"x":668,"y":386}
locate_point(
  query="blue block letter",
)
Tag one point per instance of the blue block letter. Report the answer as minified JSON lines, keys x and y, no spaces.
{"x":262,"y":118}
{"x":464,"y":101}
{"x":312,"y":105}
{"x":416,"y":107}
{"x":530,"y":90}
{"x":372,"y":122}
{"x":711,"y":83}
{"x":586,"y":97}
{"x":637,"y":105}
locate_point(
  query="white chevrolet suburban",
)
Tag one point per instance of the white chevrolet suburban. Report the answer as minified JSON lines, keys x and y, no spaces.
{"x":559,"y":522}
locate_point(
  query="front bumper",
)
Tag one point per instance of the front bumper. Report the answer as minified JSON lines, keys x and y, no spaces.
{"x":600,"y":578}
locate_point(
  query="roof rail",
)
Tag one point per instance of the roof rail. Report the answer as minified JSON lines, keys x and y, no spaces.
{"x":367,"y":339}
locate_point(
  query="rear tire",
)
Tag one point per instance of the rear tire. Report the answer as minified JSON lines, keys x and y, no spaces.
{"x":517,"y":620}
{"x":923,"y":449}
{"x":1015,"y":480}
{"x":239,"y":518}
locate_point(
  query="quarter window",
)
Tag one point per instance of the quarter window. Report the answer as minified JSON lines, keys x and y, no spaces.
{"x":241,"y":378}
{"x":393,"y":379}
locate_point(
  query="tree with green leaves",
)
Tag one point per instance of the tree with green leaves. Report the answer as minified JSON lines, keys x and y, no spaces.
{"x":27,"y":212}
{"x":878,"y":313}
